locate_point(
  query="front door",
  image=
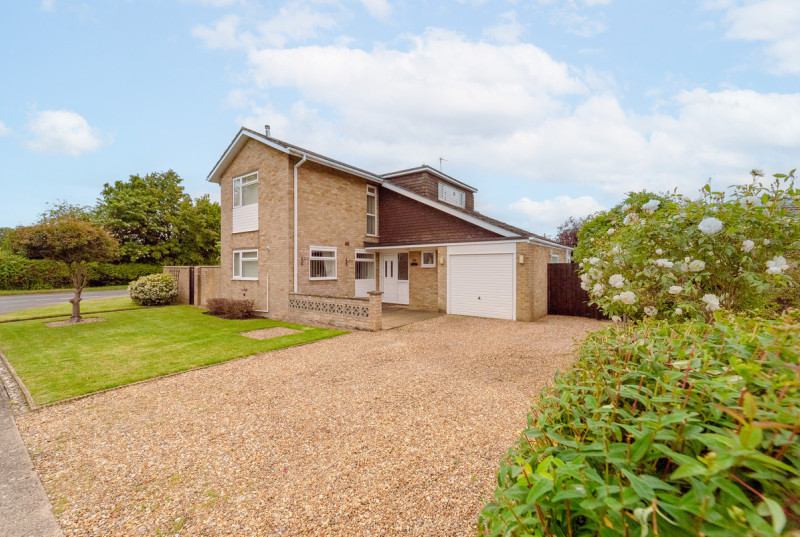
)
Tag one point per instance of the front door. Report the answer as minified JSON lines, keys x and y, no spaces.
{"x":394,"y":278}
{"x":389,"y":277}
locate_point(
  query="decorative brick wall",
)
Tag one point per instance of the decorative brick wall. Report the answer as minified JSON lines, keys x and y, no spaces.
{"x":341,"y":312}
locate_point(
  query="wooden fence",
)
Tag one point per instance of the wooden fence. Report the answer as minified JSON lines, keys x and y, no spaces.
{"x":564,"y":293}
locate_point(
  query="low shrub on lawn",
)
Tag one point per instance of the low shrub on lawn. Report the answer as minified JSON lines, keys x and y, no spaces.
{"x":230,"y":308}
{"x":686,"y":429}
{"x":154,"y":290}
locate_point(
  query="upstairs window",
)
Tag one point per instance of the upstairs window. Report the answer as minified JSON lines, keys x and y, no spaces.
{"x":451,"y":195}
{"x":322,"y":264}
{"x":372,"y":210}
{"x":245,"y":190}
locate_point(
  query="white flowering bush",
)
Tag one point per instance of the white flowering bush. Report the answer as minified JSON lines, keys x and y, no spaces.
{"x":153,"y":290}
{"x":668,"y":256}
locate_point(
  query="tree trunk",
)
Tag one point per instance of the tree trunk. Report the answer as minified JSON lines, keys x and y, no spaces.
{"x":78,"y":281}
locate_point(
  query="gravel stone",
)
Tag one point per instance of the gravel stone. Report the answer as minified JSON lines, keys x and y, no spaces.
{"x":391,"y":433}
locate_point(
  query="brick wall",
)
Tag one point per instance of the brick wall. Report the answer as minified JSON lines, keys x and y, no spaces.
{"x":402,"y":220}
{"x":423,"y":284}
{"x":333,"y":213}
{"x":532,"y":281}
{"x":426,"y":184}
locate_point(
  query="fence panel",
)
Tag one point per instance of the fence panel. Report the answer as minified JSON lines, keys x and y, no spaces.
{"x":564,"y":293}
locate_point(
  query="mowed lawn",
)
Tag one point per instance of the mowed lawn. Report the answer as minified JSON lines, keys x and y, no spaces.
{"x":62,"y":362}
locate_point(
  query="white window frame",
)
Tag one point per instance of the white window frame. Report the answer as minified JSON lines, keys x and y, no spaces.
{"x":422,"y":259}
{"x":371,"y":259}
{"x":459,"y":194}
{"x":311,"y":258}
{"x":237,"y":267}
{"x":554,"y":257}
{"x":372,"y":192}
{"x":241,"y":182}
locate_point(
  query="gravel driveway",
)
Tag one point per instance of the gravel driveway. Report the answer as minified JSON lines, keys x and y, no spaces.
{"x":391,"y":433}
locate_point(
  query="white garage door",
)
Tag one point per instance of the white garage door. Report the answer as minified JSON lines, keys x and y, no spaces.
{"x":482,"y":285}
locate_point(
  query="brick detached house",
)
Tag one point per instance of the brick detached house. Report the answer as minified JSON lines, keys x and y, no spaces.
{"x":303,"y":233}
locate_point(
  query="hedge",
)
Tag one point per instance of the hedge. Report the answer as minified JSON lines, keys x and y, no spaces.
{"x":659,"y":429}
{"x":19,"y":273}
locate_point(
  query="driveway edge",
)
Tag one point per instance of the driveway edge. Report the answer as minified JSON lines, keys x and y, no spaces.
{"x":25,"y":509}
{"x":14,"y":387}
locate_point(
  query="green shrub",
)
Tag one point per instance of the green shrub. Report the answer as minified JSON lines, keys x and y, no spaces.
{"x":686,"y":429}
{"x":20,"y":273}
{"x":230,"y":308}
{"x":154,"y":290}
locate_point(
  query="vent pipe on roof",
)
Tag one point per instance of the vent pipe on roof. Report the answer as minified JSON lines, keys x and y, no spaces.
{"x":266,"y":130}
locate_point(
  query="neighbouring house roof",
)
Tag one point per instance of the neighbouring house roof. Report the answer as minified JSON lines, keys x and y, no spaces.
{"x":505,"y":231}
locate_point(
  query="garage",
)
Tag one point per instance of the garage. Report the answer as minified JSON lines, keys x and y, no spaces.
{"x":481,"y":281}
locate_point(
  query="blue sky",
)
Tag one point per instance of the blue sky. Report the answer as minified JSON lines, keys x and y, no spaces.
{"x":550,"y":108}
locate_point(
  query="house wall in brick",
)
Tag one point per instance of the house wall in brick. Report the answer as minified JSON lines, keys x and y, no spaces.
{"x":332,"y":213}
{"x":423,"y":284}
{"x":441,"y":269}
{"x":403,"y":220}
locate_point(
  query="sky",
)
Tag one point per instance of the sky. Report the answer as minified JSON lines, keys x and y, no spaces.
{"x":550,"y":108}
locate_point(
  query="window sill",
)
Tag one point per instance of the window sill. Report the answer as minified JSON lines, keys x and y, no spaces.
{"x":244,"y":279}
{"x":322,"y":279}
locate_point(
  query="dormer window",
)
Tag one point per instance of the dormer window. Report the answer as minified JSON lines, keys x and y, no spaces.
{"x":451,"y":195}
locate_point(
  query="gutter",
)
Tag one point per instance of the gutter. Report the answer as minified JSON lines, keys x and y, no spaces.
{"x":294,"y":190}
{"x":549,"y":244}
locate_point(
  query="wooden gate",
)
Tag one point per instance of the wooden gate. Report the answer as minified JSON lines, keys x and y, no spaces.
{"x":564,"y":293}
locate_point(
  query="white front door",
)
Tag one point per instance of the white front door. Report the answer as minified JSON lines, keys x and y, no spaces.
{"x":389,"y":277}
{"x":394,"y":278}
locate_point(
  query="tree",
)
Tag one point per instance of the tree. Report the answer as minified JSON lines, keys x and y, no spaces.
{"x":155,"y":221}
{"x":567,"y":232}
{"x":72,"y":241}
{"x":63,"y":209}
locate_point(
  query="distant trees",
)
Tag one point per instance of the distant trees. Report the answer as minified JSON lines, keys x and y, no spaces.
{"x":567,"y":232}
{"x":73,"y":241}
{"x":155,"y":221}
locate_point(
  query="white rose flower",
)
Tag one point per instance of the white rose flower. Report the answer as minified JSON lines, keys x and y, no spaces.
{"x":748,"y":245}
{"x":767,"y":242}
{"x":709,"y":226}
{"x":650,"y":311}
{"x":630,"y":219}
{"x":679,"y":311}
{"x":687,"y":260}
{"x":611,"y":231}
{"x":651,"y":206}
{"x":616,"y":250}
{"x":697,"y":265}
{"x":659,"y":251}
{"x":627,"y":297}
{"x":616,"y":318}
{"x":598,"y":289}
{"x":617,"y":280}
{"x":664,"y":263}
{"x":594,"y":260}
{"x":750,"y":201}
{"x":777,"y":265}
{"x":675,"y":289}
{"x":615,"y":298}
{"x":712,"y":302}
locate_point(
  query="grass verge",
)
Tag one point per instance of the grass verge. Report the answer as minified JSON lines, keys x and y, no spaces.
{"x":98,"y":305}
{"x":64,"y":290}
{"x":68,"y":361}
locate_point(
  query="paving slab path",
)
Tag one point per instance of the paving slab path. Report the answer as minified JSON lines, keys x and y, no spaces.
{"x":391,"y":433}
{"x":24,"y":506}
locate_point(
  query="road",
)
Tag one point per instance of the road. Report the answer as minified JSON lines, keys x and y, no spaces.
{"x":13,"y":303}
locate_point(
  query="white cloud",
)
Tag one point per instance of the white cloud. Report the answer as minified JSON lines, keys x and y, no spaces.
{"x":62,"y":132}
{"x":511,"y":110}
{"x":291,"y":23}
{"x":377,"y":8}
{"x":48,"y":5}
{"x":4,"y":130}
{"x":773,"y":22}
{"x":551,"y":213}
{"x":507,"y":30}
